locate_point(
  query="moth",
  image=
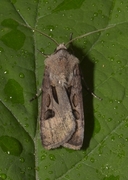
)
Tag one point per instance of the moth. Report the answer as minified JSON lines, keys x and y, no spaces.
{"x":62,"y":117}
{"x":62,"y":114}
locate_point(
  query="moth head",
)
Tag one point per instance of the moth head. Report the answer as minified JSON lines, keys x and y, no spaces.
{"x":61,"y":46}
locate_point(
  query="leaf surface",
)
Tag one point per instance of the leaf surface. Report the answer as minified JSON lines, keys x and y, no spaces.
{"x":103,"y":60}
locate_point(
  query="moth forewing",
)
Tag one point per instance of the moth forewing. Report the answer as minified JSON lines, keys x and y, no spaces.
{"x":76,"y":100}
{"x":62,"y":118}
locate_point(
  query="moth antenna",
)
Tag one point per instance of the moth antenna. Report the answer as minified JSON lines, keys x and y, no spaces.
{"x":45,"y":55}
{"x":47,"y":36}
{"x":33,"y":29}
{"x":89,"y":33}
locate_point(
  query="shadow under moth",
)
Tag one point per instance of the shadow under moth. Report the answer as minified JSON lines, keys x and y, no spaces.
{"x":62,"y":115}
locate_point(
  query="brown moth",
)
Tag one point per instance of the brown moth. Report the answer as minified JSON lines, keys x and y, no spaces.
{"x":62,"y":115}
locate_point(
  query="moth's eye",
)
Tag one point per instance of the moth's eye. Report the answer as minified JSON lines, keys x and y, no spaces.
{"x":76,"y":114}
{"x":75,"y":100}
{"x":49,"y":114}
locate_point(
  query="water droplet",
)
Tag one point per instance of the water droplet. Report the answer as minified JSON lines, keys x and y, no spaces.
{"x":8,"y":152}
{"x":78,"y":166}
{"x":22,"y":159}
{"x":112,"y":59}
{"x":49,"y":43}
{"x":120,"y":136}
{"x":118,"y":61}
{"x":100,"y":154}
{"x":126,"y":125}
{"x":49,"y":8}
{"x":29,"y":8}
{"x":50,"y":28}
{"x":113,"y":138}
{"x":116,"y":107}
{"x":46,"y":2}
{"x":47,"y":179}
{"x":15,"y":38}
{"x":126,"y":139}
{"x":92,"y":18}
{"x":109,"y":119}
{"x":43,"y":156}
{"x":10,"y":145}
{"x":107,"y":167}
{"x":29,"y":168}
{"x":99,"y":115}
{"x":1,"y":50}
{"x":67,"y":176}
{"x":14,"y":91}
{"x":51,"y":35}
{"x":3,"y":176}
{"x":50,"y":172}
{"x":45,"y":167}
{"x":95,"y":14}
{"x":96,"y":61}
{"x":5,"y":72}
{"x":100,"y":11}
{"x":119,"y":101}
{"x":26,"y":125}
{"x":52,"y":157}
{"x":92,"y":160}
{"x":107,"y":34}
{"x":42,"y":50}
{"x":21,"y":75}
{"x":119,"y":10}
{"x":13,"y":1}
{"x":97,"y":128}
{"x":102,"y":42}
{"x":121,"y":154}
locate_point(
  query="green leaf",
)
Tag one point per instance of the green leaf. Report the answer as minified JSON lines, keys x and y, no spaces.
{"x":103,"y":56}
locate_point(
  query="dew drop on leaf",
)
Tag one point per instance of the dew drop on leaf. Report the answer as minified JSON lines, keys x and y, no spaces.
{"x":112,"y":138}
{"x":22,"y":159}
{"x":52,"y":157}
{"x":50,"y":172}
{"x":10,"y":145}
{"x":43,"y":156}
{"x":92,"y":160}
{"x":21,"y":75}
{"x":3,"y":176}
{"x":14,"y":90}
{"x":5,"y":72}
{"x":109,"y":119}
{"x":45,"y":167}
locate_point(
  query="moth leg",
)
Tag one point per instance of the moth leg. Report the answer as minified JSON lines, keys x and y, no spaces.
{"x":45,"y":55}
{"x":71,"y":34}
{"x":88,"y":89}
{"x":37,"y":95}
